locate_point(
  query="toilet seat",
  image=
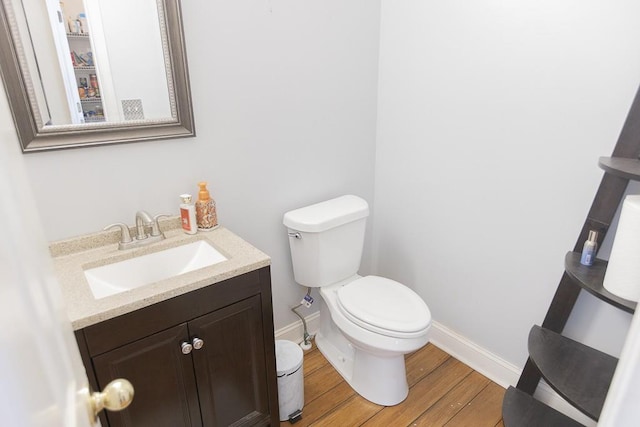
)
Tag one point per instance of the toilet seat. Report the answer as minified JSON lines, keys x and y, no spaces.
{"x":384,"y":306}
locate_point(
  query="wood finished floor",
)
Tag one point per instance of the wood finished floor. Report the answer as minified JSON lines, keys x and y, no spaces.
{"x":442,"y":392}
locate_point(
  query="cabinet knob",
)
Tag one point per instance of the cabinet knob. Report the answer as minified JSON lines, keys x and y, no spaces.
{"x":186,"y":347}
{"x":197,"y":343}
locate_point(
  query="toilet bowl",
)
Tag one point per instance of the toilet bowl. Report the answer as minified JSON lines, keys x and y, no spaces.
{"x":367,"y":324}
{"x":369,"y":357}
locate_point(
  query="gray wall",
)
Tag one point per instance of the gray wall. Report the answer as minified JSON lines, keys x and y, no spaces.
{"x":491,"y":119}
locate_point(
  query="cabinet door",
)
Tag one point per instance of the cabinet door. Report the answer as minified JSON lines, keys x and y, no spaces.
{"x":163,"y":379}
{"x":230,"y":367}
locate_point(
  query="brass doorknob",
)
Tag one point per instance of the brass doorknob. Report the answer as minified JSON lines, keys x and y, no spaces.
{"x":116,"y":396}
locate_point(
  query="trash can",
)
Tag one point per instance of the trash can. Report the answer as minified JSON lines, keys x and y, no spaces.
{"x":290,"y":380}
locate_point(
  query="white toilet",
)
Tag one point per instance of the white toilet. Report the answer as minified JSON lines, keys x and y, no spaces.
{"x":367,"y":324}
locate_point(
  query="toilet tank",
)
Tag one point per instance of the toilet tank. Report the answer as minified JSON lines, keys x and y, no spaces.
{"x":331,"y":238}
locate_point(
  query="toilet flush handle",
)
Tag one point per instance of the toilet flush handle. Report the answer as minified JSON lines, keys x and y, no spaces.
{"x":296,"y":235}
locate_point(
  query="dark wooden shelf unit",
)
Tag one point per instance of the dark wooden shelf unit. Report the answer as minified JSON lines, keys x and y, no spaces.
{"x":522,"y":410}
{"x":622,"y":167}
{"x":580,"y":374}
{"x":591,"y":278}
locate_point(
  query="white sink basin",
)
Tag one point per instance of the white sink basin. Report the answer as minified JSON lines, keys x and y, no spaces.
{"x":125,"y":275}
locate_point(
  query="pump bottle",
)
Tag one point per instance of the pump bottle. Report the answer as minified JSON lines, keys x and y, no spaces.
{"x":206,"y":214}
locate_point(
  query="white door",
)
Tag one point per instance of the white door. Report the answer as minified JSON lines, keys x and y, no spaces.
{"x":58,"y":38}
{"x":42,"y":379}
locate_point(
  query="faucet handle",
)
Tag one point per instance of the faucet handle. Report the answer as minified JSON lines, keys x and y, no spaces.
{"x":155,"y":226}
{"x":125,"y":237}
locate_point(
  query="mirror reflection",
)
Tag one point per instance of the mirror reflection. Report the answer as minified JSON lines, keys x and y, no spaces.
{"x":98,"y":66}
{"x":99,"y":60}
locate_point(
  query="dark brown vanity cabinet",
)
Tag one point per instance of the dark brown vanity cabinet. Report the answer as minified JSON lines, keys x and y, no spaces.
{"x":205,"y":358}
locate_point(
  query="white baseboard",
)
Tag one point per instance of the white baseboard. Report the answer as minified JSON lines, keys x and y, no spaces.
{"x":488,"y":364}
{"x":497,"y":369}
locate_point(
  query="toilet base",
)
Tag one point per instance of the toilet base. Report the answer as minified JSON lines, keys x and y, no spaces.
{"x":379,"y":379}
{"x":388,"y":386}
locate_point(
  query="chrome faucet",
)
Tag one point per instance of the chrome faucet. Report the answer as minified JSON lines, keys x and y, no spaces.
{"x":143,"y":221}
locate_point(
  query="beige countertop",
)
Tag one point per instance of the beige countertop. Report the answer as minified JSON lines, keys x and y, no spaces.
{"x":71,"y":257}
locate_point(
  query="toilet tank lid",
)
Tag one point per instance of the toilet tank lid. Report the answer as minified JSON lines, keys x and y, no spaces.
{"x":326,"y":215}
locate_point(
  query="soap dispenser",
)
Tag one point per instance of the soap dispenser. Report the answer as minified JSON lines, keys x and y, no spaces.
{"x":206,"y":215}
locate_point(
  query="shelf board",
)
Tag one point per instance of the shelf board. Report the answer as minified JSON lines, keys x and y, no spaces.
{"x":520,"y":409}
{"x":580,"y":374}
{"x":95,"y":99}
{"x":590,"y":278}
{"x":621,"y":166}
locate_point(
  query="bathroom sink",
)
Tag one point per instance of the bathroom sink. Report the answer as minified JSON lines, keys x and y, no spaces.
{"x":132,"y":273}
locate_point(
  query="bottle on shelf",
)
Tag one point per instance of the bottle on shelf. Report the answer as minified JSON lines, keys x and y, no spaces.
{"x":93,"y":82}
{"x":589,"y":249}
{"x":82,"y":19}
